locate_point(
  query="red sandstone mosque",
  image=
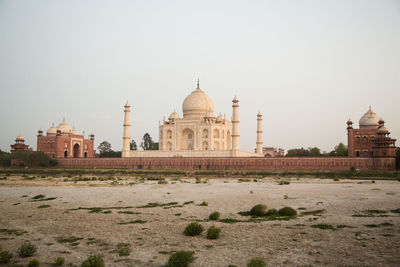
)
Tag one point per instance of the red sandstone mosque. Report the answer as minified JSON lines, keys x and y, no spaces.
{"x":65,"y":142}
{"x":371,"y":139}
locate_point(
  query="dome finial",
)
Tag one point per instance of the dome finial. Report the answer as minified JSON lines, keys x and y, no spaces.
{"x":198,"y":83}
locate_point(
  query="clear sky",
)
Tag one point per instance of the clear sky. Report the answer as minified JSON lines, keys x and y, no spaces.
{"x":306,"y":65}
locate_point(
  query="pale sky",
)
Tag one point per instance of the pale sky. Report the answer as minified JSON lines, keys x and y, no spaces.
{"x":306,"y":65}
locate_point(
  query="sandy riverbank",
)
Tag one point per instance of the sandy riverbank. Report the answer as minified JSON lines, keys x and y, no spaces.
{"x":293,"y":242}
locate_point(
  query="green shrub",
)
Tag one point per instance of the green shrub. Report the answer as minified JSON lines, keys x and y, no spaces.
{"x":26,"y":250}
{"x":193,"y":229}
{"x":324,"y":226}
{"x":213,"y":232}
{"x":282,"y":182}
{"x":271,"y":212}
{"x":204,"y":203}
{"x":214,"y":216}
{"x":287,"y":211}
{"x":5,"y":257}
{"x":59,"y":261}
{"x":93,"y":261}
{"x":123,"y":249}
{"x":34,"y":263}
{"x":256,"y":262}
{"x":258,"y":210}
{"x":180,"y":259}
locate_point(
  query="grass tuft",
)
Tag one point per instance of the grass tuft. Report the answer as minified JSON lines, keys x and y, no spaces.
{"x":26,"y":250}
{"x":59,"y":261}
{"x":180,"y":259}
{"x":34,"y":263}
{"x":287,"y":211}
{"x":256,"y":262}
{"x":214,"y":216}
{"x":324,"y":226}
{"x":5,"y":257}
{"x":258,"y":210}
{"x":93,"y":261}
{"x":213,"y":232}
{"x":193,"y":229}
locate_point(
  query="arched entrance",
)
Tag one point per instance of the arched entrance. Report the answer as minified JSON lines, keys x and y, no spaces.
{"x":187,"y":140}
{"x":66,"y":154}
{"x":76,"y":151}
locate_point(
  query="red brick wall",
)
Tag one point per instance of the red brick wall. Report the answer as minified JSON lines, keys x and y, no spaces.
{"x":314,"y":163}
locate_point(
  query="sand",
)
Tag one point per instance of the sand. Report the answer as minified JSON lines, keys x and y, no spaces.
{"x":291,"y":243}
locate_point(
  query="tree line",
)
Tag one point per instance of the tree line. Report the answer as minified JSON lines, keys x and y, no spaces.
{"x":147,"y":143}
{"x":340,"y":150}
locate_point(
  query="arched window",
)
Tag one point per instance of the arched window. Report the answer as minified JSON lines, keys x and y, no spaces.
{"x":205,"y":145}
{"x":76,"y":151}
{"x":216,"y":145}
{"x":66,"y":154}
{"x":205,"y":133}
{"x":216,"y":133}
{"x":85,"y":154}
{"x":187,"y":139}
{"x":169,"y":146}
{"x":169,"y":134}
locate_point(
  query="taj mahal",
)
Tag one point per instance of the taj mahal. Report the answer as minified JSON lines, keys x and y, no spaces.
{"x":198,"y":133}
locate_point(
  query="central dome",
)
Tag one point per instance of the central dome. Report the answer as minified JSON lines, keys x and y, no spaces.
{"x":369,"y":120}
{"x":197,"y":104}
{"x":64,"y":127}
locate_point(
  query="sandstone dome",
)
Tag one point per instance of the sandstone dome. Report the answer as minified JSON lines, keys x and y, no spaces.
{"x":197,"y":104}
{"x":369,"y":120}
{"x":64,"y":127}
{"x":52,"y":130}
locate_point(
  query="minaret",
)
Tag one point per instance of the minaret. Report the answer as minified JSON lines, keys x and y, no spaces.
{"x":127,"y":131}
{"x":235,"y":125}
{"x":350,"y":138}
{"x":259,"y":142}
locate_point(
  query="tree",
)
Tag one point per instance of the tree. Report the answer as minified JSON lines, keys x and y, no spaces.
{"x":106,"y":151}
{"x":397,"y":158}
{"x":33,"y":158}
{"x":314,"y":152}
{"x":301,"y":152}
{"x":147,"y":142}
{"x":133,"y":145}
{"x":104,"y":147}
{"x":341,"y":150}
{"x":5,"y":159}
{"x":154,"y":146}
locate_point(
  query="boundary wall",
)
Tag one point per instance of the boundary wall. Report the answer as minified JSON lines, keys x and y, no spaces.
{"x":232,"y":163}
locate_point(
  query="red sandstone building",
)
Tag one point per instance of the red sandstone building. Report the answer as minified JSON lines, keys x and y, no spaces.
{"x":371,"y":139}
{"x":65,"y":142}
{"x":19,"y":145}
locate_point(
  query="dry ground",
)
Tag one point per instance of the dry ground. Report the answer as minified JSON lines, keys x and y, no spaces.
{"x":371,"y":238}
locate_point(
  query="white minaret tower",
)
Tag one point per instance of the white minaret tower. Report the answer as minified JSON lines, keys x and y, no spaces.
{"x":235,"y":126}
{"x":127,"y":131}
{"x":259,"y":142}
